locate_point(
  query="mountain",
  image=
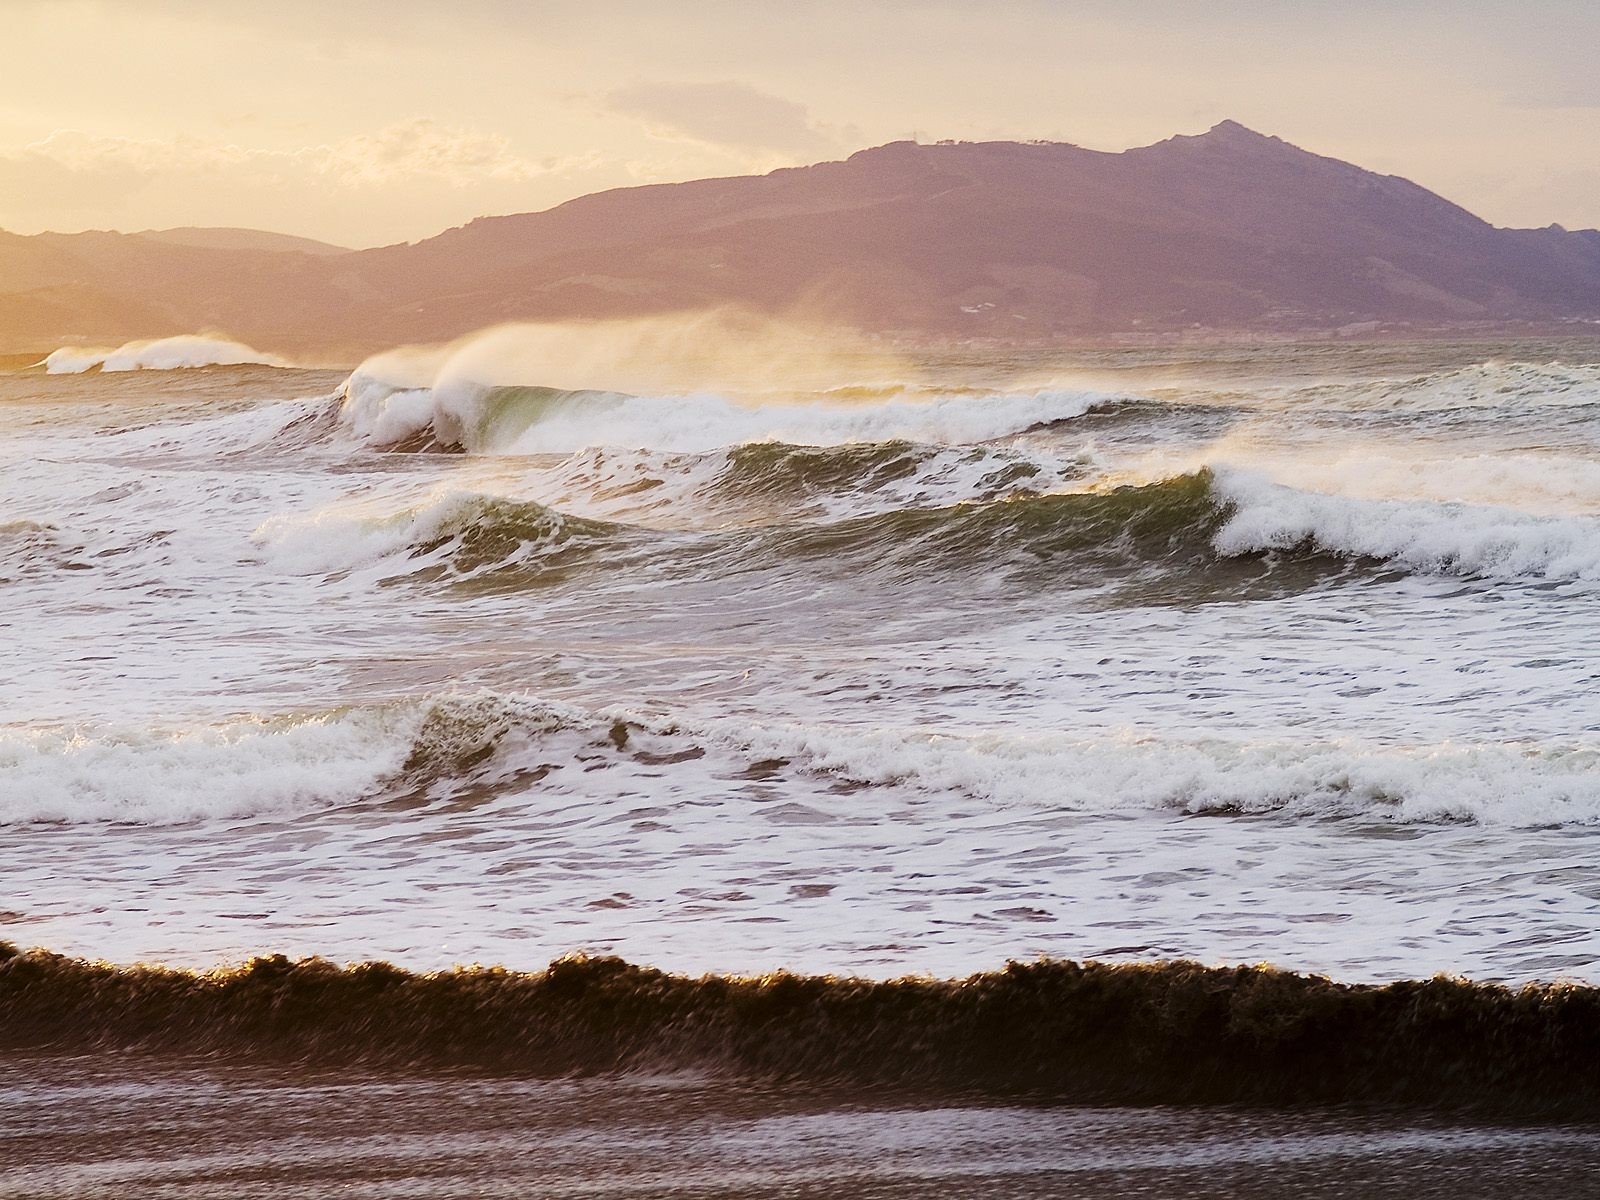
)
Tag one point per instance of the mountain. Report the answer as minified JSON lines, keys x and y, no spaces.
{"x":228,"y":238}
{"x":1227,"y":230}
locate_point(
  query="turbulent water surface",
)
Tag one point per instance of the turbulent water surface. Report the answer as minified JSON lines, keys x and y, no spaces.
{"x":1282,"y":655}
{"x":78,"y":1127}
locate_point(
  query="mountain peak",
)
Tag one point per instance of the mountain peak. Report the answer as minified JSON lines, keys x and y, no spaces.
{"x":1233,"y":135}
{"x":1233,"y":129}
{"x":1223,"y":136}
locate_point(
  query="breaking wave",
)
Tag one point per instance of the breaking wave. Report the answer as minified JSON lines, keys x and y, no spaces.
{"x":1491,"y":384}
{"x":766,"y":482}
{"x":266,"y":766}
{"x":540,"y":420}
{"x":431,"y":749}
{"x":157,"y":777}
{"x":1163,"y":1033}
{"x":1423,"y":536}
{"x":1505,"y":785}
{"x":1192,"y":524}
{"x":457,"y":535}
{"x":520,"y":543}
{"x":159,"y":354}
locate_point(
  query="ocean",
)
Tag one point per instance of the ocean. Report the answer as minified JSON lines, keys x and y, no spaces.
{"x":889,"y":666}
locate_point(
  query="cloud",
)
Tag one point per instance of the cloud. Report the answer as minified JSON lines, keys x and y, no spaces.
{"x":416,"y":174}
{"x":731,"y":115}
{"x":420,"y":149}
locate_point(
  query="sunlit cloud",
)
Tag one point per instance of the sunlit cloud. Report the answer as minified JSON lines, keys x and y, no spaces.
{"x":730,"y":115}
{"x":408,"y":150}
{"x":72,"y":177}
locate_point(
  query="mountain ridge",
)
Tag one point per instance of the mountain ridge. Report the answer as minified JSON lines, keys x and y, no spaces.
{"x":233,"y":237}
{"x":1226,"y":230}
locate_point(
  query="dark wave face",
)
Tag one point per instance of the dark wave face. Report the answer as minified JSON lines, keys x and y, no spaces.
{"x":1175,"y":1033}
{"x":1156,"y":539}
{"x":510,"y":543}
{"x":776,"y":472}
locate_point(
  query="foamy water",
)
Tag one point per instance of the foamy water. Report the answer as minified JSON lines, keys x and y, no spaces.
{"x":1280,"y":661}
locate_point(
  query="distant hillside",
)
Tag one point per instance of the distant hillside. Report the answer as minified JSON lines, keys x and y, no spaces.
{"x":224,"y":238}
{"x":1226,"y":231}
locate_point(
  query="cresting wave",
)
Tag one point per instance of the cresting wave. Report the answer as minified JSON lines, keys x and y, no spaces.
{"x":1087,"y":537}
{"x":1489,"y":784}
{"x":1423,"y":536}
{"x":486,"y":419}
{"x":1188,"y":523}
{"x":519,"y":748}
{"x":264,"y":766}
{"x":1168,"y":1033}
{"x":159,"y":354}
{"x":456,"y":536}
{"x":764,"y":483}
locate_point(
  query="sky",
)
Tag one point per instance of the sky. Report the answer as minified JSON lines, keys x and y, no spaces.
{"x":366,"y":122}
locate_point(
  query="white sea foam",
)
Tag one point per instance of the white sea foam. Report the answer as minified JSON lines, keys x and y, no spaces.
{"x":159,"y":354}
{"x":346,"y":536}
{"x":1492,"y":384}
{"x":1543,"y":483}
{"x":300,"y":764}
{"x":699,"y":423}
{"x":723,"y":487}
{"x":1491,"y":784}
{"x":1420,"y":535}
{"x":282,"y":765}
{"x":539,"y":421}
{"x":235,"y":769}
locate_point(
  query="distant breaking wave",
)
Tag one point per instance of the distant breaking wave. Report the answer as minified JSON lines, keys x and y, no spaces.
{"x":430,"y":749}
{"x":160,"y":354}
{"x":1492,"y":384}
{"x":1478,"y":388}
{"x":538,"y":420}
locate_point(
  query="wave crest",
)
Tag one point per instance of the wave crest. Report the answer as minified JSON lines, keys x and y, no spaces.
{"x":159,"y":354}
{"x":541,"y":420}
{"x":1492,"y":384}
{"x":456,"y":535}
{"x":1157,"y":1033}
{"x":1418,"y":535}
{"x":496,"y":745}
{"x":279,"y":765}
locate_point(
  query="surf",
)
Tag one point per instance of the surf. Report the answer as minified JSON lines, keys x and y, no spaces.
{"x":184,"y":352}
{"x":521,"y":750}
